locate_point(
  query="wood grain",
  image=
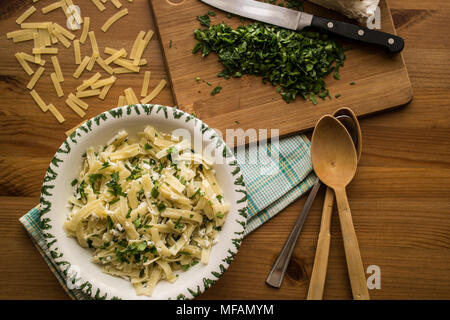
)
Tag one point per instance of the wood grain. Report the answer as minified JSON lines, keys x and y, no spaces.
{"x":399,"y":196}
{"x":381,"y":80}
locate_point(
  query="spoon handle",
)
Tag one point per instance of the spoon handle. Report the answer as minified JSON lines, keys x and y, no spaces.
{"x":276,"y":274}
{"x":352,"y":253}
{"x":319,"y":272}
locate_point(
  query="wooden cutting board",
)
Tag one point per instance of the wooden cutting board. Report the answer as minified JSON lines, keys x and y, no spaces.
{"x":380,"y":80}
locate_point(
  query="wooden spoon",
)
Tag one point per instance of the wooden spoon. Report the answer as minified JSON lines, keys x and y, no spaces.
{"x":335,"y":160}
{"x":318,"y":276}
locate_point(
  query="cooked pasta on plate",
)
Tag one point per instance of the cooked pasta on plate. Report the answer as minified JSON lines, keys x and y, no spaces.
{"x":147,"y":207}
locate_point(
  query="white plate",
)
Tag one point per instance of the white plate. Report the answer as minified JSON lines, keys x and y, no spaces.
{"x":65,"y":166}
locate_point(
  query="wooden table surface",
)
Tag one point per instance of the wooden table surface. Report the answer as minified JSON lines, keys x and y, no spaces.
{"x":400,"y":197}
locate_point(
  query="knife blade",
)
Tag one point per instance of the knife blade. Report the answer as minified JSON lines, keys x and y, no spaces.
{"x":297,"y":20}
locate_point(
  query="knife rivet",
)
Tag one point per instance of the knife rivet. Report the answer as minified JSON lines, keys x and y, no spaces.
{"x":391,"y":41}
{"x":361,"y":32}
{"x":330,"y":25}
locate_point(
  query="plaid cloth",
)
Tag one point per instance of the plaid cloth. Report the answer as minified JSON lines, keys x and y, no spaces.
{"x":275,"y":175}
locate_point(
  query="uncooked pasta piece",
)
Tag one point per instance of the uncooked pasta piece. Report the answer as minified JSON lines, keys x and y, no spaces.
{"x":155,"y":92}
{"x":75,"y":108}
{"x":26,"y":14}
{"x":78,"y":101}
{"x":57,"y":68}
{"x":35,"y":78}
{"x":113,"y":19}
{"x":145,"y":83}
{"x":57,"y":85}
{"x":24,"y":64}
{"x":88,"y":93}
{"x":77,"y":51}
{"x":56,"y":113}
{"x":85,"y":31}
{"x":130,"y":96}
{"x":81,"y":67}
{"x":37,"y":98}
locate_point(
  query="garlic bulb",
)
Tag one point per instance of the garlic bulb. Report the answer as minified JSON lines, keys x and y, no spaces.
{"x":360,"y":10}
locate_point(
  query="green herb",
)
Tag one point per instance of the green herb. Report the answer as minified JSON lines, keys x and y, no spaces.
{"x":155,"y":191}
{"x":216,"y":90}
{"x":114,"y":187}
{"x":352,"y":83}
{"x":113,"y":201}
{"x":220,"y":216}
{"x":161,"y":207}
{"x":229,"y":15}
{"x":294,"y":4}
{"x":74,"y":182}
{"x":198,"y":79}
{"x":81,"y":191}
{"x":110,"y":223}
{"x":212,"y":13}
{"x":219,"y":197}
{"x":337,"y":96}
{"x":147,"y":146}
{"x":105,"y":245}
{"x":194,"y":263}
{"x":170,"y":44}
{"x":185,"y":267}
{"x":197,"y":192}
{"x":128,"y":215}
{"x":171,"y":150}
{"x":185,"y":253}
{"x":137,"y":223}
{"x":135,"y":174}
{"x":204,"y":20}
{"x":105,"y":165}
{"x":93,"y":178}
{"x":296,"y":61}
{"x":178,"y":224}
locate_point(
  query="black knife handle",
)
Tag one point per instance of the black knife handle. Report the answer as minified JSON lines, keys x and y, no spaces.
{"x":391,"y":42}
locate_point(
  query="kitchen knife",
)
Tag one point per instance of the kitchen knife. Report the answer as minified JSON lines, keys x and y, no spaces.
{"x":296,"y":20}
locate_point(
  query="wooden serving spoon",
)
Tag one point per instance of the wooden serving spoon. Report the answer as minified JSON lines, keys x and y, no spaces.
{"x":317,"y":283}
{"x":335,"y":160}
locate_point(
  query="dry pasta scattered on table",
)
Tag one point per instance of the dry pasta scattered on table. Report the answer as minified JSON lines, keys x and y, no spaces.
{"x":45,"y":34}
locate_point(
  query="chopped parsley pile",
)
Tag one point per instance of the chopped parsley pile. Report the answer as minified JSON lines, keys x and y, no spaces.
{"x":296,"y":61}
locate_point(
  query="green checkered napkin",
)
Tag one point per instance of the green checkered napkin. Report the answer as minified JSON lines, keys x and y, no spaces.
{"x":275,"y":175}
